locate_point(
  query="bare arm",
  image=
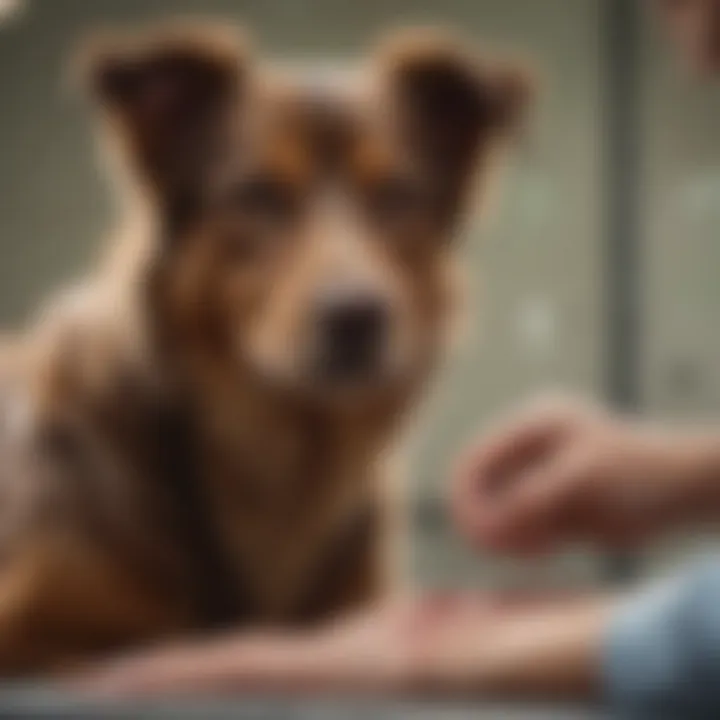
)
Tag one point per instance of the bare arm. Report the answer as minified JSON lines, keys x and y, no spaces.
{"x":465,"y":646}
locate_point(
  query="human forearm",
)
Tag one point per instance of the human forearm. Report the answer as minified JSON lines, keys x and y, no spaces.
{"x":693,"y":461}
{"x":472,"y":645}
{"x":546,"y":650}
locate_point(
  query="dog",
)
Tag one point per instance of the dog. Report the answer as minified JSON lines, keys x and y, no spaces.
{"x":199,"y":435}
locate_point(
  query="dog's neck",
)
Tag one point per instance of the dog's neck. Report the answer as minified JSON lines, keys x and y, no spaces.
{"x":277,"y":437}
{"x":253,"y":432}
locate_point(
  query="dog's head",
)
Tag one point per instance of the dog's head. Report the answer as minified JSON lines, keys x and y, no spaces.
{"x":307,"y":221}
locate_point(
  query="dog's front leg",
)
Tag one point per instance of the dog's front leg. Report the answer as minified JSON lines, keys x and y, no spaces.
{"x":62,"y":602}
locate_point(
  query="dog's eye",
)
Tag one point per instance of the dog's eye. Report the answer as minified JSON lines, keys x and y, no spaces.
{"x":395,"y":199}
{"x":265,"y":197}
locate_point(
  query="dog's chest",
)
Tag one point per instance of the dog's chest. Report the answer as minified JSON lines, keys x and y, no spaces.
{"x":281,"y":509}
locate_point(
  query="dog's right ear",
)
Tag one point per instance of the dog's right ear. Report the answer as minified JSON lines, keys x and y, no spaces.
{"x":166,"y":92}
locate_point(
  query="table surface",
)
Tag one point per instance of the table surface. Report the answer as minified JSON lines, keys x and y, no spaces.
{"x":36,"y":703}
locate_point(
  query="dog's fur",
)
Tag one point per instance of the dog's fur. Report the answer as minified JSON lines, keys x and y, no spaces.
{"x":192,"y":352}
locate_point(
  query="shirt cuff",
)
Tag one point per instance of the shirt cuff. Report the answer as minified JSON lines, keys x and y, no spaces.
{"x":659,"y":647}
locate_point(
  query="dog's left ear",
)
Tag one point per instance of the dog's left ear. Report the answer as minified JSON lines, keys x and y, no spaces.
{"x":451,"y":107}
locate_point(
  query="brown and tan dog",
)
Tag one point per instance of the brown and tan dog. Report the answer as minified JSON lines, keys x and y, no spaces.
{"x":198,"y":435}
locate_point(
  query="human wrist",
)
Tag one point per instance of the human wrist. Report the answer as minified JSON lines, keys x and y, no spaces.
{"x":550,"y":650}
{"x":554,"y":653}
{"x":689,"y":465}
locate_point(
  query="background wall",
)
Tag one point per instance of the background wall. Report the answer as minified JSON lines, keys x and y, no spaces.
{"x":541,"y":316}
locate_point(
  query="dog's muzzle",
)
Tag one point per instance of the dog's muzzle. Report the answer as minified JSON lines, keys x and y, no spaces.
{"x":351,"y":335}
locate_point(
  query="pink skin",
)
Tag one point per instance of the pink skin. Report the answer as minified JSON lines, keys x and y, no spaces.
{"x":414,"y":645}
{"x":694,"y":27}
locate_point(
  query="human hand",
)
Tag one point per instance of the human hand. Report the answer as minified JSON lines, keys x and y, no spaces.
{"x":563,"y":471}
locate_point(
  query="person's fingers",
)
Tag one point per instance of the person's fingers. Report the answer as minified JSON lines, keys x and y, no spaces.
{"x":176,"y":670}
{"x":488,"y":471}
{"x":251,"y":664}
{"x":490,"y":523}
{"x":510,"y":446}
{"x":540,"y":510}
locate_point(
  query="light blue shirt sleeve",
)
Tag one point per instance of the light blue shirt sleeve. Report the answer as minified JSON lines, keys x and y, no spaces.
{"x":662,"y":650}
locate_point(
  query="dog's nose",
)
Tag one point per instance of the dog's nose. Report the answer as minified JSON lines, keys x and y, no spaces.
{"x":352,"y":329}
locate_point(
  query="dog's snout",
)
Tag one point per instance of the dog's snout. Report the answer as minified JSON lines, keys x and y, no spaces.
{"x":353,"y":322}
{"x":352,"y":330}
